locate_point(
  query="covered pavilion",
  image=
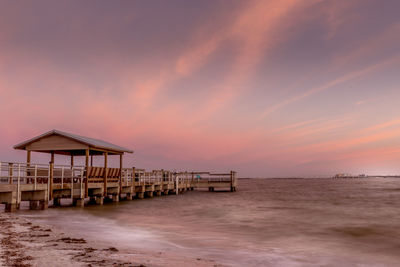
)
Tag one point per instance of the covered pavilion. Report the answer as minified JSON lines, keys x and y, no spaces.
{"x":62,"y":143}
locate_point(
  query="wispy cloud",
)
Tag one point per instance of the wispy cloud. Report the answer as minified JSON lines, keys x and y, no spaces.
{"x":337,"y":81}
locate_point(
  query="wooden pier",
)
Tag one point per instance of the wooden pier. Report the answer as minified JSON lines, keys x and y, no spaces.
{"x":41,"y":184}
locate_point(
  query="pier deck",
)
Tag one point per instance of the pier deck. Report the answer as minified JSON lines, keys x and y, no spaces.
{"x":41,"y":184}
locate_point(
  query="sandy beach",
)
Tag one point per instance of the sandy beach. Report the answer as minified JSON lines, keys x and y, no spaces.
{"x":24,"y":244}
{"x":268,"y":222}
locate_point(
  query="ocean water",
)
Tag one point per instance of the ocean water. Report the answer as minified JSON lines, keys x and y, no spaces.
{"x":267,"y":222}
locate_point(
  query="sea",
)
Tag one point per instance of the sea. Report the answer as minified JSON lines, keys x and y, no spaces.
{"x":267,"y":222}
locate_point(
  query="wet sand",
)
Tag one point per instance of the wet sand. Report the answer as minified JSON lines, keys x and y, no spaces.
{"x":25,"y":244}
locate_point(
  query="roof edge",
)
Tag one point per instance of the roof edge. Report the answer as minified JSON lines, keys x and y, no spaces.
{"x":77,"y":138}
{"x":27,"y":142}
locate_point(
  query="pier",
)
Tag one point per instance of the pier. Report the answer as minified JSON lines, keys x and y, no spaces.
{"x":41,"y":184}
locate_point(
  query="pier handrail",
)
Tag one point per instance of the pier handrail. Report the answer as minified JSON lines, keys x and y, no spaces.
{"x":39,"y":175}
{"x":65,"y":176}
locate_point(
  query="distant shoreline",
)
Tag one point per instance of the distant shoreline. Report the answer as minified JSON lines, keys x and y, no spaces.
{"x":336,"y":178}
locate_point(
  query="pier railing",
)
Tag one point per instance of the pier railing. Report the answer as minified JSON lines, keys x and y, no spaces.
{"x":12,"y":173}
{"x":42,"y":177}
{"x":143,"y":177}
{"x":23,"y":173}
{"x":213,"y":177}
{"x":74,"y":177}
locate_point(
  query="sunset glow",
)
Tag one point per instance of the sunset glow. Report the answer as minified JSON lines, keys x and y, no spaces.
{"x":266,"y":88}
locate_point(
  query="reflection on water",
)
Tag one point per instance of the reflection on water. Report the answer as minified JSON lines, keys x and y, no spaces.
{"x":290,"y":222}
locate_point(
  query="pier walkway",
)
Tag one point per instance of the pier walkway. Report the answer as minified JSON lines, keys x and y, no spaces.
{"x":41,"y":183}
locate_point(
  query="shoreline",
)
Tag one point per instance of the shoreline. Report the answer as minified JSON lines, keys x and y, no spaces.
{"x":29,"y":244}
{"x":24,"y":244}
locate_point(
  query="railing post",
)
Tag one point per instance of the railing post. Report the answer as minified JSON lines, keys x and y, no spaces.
{"x":10,"y":173}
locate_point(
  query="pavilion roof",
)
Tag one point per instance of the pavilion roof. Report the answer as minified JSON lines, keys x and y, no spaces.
{"x":91,"y":143}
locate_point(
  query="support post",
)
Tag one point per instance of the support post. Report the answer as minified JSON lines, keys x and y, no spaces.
{"x":35,"y":177}
{"x":79,"y":202}
{"x":72,"y":182}
{"x":10,"y":173}
{"x":19,"y":186}
{"x":43,"y":204}
{"x":51,"y":176}
{"x":105,"y":174}
{"x":11,"y":207}
{"x":72,"y":176}
{"x":133,"y":178}
{"x":231,"y":181}
{"x":28,"y":157}
{"x":28,"y":165}
{"x":99,"y":200}
{"x":56,"y":202}
{"x":176,"y":184}
{"x":133,"y":183}
{"x":87,"y":173}
{"x":33,"y":204}
{"x":120,"y":173}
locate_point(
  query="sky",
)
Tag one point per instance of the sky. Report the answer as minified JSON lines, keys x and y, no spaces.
{"x":265,"y":88}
